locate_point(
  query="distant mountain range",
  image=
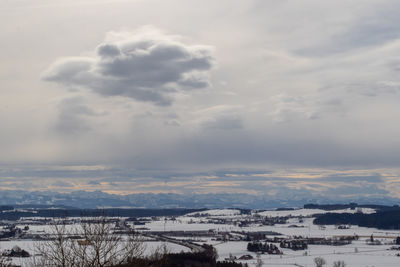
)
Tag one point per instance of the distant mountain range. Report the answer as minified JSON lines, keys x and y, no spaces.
{"x":99,"y":199}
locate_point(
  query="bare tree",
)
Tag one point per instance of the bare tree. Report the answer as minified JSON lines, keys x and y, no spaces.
{"x":259,"y":262}
{"x":339,"y":264}
{"x":92,"y":243}
{"x":57,"y":250}
{"x":319,"y":261}
{"x":5,"y":261}
{"x":159,"y":252}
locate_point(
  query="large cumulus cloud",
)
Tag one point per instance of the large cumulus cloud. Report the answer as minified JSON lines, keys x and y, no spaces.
{"x":145,"y":65}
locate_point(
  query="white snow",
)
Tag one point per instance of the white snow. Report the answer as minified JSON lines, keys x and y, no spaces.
{"x":357,"y":254}
{"x":217,"y":212}
{"x":310,"y":212}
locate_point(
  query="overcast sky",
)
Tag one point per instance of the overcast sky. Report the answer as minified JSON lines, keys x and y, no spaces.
{"x":297,"y":89}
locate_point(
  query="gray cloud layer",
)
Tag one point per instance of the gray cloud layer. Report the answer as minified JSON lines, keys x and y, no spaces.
{"x":145,"y":65}
{"x":298,"y":84}
{"x":73,"y":116}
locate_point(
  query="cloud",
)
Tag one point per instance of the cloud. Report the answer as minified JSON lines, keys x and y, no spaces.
{"x":283,"y":184}
{"x":376,"y":25}
{"x":146,"y":65}
{"x":323,"y":103}
{"x":94,"y":182}
{"x":220,"y":117}
{"x":312,"y":106}
{"x":375,"y":88}
{"x":74,"y":116}
{"x":62,"y":184}
{"x":354,"y":190}
{"x":224,"y":122}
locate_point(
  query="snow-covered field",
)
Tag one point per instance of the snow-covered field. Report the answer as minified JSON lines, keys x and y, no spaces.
{"x":377,"y":256}
{"x":310,"y":212}
{"x":357,"y":254}
{"x":218,"y":212}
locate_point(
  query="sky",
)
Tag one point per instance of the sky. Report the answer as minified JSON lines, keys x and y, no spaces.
{"x":256,"y":96}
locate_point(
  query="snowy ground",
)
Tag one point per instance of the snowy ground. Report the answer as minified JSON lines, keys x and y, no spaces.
{"x":377,"y":256}
{"x":309,"y":212}
{"x":218,"y":212}
{"x":357,"y":254}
